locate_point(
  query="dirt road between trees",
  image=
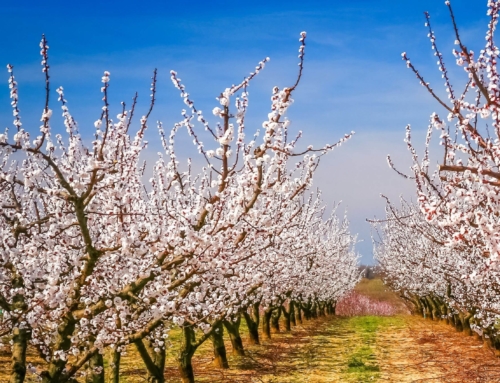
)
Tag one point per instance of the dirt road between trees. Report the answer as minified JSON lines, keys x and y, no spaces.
{"x":394,"y":349}
{"x":361,"y":349}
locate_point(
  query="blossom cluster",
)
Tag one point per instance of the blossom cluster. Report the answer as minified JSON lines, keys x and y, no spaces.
{"x":447,"y":246}
{"x":93,"y":256}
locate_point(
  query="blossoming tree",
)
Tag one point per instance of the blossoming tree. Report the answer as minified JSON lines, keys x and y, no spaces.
{"x":93,"y":257}
{"x":454,"y":254}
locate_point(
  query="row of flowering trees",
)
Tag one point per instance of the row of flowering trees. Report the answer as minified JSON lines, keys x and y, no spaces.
{"x":442,"y":253}
{"x":95,"y":258}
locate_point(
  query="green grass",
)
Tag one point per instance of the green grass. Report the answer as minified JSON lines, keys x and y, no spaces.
{"x":362,"y":365}
{"x":319,"y":351}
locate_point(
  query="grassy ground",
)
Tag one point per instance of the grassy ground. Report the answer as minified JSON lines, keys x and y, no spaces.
{"x":394,"y":349}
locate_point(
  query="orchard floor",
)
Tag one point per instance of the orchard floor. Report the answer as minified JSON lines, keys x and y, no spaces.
{"x":360,"y":349}
{"x":395,"y":349}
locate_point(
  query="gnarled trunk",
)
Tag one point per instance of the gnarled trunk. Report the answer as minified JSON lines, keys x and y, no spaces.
{"x":153,"y":359}
{"x":331,"y":308}
{"x":186,"y":353}
{"x":320,"y":309}
{"x":275,"y":320}
{"x":96,"y":369}
{"x":62,"y":342}
{"x":465,"y":318}
{"x":220,"y":356}
{"x":458,"y":323}
{"x":233,"y":329}
{"x":306,"y":309}
{"x":253,"y":320}
{"x":299,"y":312}
{"x":115,"y":366}
{"x":287,"y":316}
{"x":314,"y":310}
{"x":266,"y":323}
{"x":291,"y":309}
{"x":20,"y":339}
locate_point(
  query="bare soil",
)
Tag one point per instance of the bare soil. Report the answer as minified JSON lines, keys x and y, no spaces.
{"x":396,"y":349}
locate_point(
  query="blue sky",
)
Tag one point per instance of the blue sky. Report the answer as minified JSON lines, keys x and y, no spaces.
{"x":354,"y":77}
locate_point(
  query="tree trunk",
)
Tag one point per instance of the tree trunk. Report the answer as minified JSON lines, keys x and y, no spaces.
{"x":186,"y":355}
{"x":321,"y":309}
{"x":426,"y":308}
{"x":458,"y":323}
{"x":266,"y":323}
{"x":253,"y":322}
{"x":292,"y":313}
{"x":417,"y":305}
{"x":56,"y":367}
{"x":115,"y":366}
{"x":466,"y":323}
{"x":233,"y":329}
{"x":220,"y":357}
{"x":331,"y":308}
{"x":444,"y":310}
{"x":299,"y":313}
{"x":314,"y":310}
{"x":19,"y":346}
{"x":287,"y":316}
{"x":436,"y":313}
{"x":306,"y":309}
{"x":328,"y":308}
{"x":452,"y":319}
{"x":96,"y":367}
{"x":116,"y":358}
{"x":275,"y":320}
{"x":154,"y":361}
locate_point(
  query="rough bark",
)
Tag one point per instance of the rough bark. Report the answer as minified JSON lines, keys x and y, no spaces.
{"x":314,"y":310}
{"x":275,"y":319}
{"x":287,"y":316}
{"x":321,"y":309}
{"x":331,"y":308}
{"x":458,"y":323}
{"x":266,"y":323}
{"x":253,"y":320}
{"x":154,"y":361}
{"x":20,"y":339}
{"x":292,"y":313}
{"x":233,"y":329}
{"x":436,"y":313}
{"x":62,"y":342}
{"x":186,"y":353}
{"x":299,"y":313}
{"x":220,"y":355}
{"x":307,"y":310}
{"x":466,"y":317}
{"x":115,"y":366}
{"x":96,"y":369}
{"x":418,"y":308}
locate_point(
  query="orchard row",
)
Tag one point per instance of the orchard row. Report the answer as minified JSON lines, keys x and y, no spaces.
{"x":442,"y":253}
{"x":93,"y":257}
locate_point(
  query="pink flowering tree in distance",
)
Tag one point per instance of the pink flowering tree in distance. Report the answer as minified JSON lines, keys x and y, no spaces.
{"x":94,"y":258}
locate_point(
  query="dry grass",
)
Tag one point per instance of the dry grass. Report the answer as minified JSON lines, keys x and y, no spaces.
{"x":426,"y":351}
{"x":396,"y":349}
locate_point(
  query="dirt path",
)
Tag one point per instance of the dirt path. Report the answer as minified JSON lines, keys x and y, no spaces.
{"x":395,"y":349}
{"x":361,"y":349}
